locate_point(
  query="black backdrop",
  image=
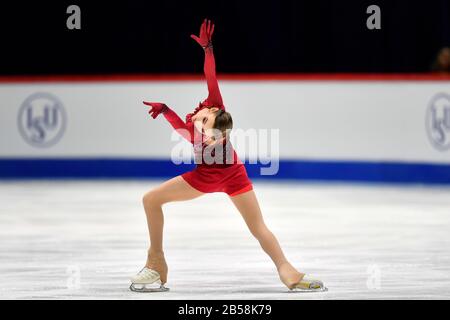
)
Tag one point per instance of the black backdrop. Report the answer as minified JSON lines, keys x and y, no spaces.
{"x":251,"y":36}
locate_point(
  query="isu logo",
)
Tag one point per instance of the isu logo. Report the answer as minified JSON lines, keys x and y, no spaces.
{"x":42,"y":120}
{"x":438,"y":121}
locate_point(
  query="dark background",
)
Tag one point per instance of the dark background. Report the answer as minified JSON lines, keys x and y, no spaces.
{"x":251,"y":36}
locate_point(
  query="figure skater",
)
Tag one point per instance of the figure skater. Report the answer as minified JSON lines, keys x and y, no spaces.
{"x":209,"y":127}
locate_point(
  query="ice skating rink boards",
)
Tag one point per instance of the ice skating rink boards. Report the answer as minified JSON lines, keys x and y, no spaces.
{"x":74,"y":239}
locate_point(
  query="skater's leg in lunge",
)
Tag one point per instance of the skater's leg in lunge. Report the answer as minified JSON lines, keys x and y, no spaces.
{"x":175,"y":189}
{"x":248,"y":206}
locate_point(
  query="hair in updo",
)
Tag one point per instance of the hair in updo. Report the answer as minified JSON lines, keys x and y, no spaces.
{"x":223,"y":122}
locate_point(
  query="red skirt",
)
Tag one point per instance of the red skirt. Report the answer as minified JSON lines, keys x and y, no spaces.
{"x":232,"y":180}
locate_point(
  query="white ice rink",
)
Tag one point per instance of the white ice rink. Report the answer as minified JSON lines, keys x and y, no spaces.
{"x":84,"y":239}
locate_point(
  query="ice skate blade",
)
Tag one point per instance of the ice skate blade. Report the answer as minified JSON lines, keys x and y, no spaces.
{"x":142,"y":288}
{"x":296,"y":290}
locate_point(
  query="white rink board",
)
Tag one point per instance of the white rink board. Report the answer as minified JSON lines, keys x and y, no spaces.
{"x":329,"y":120}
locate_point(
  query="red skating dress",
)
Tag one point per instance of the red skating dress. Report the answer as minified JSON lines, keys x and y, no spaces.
{"x":225,"y":176}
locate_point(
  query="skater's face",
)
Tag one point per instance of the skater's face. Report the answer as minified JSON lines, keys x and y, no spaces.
{"x":205,"y":118}
{"x":204,"y":122}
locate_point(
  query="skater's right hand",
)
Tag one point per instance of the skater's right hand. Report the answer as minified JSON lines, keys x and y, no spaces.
{"x":206,"y":31}
{"x":157,"y":108}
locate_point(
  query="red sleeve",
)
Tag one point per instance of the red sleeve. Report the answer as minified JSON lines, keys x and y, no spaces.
{"x":214,"y":96}
{"x":182,"y":128}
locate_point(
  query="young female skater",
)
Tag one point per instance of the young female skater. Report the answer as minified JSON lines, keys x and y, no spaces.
{"x":227,"y":174}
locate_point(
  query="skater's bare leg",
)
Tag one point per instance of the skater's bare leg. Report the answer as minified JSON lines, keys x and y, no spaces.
{"x":175,"y":189}
{"x":248,"y":206}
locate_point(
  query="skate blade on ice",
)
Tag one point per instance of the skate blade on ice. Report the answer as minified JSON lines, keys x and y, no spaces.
{"x":320,"y":289}
{"x":147,"y":280}
{"x":136,"y":287}
{"x":308,"y":284}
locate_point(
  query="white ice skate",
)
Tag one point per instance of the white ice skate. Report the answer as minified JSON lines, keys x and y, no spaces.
{"x":308,"y":284}
{"x":147,"y":280}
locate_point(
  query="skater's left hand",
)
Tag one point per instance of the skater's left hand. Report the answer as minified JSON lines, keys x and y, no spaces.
{"x":206,"y":32}
{"x":157,"y":108}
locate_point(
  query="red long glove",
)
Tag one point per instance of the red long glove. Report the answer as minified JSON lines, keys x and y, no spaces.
{"x":205,"y":35}
{"x":205,"y":40}
{"x":184,"y":130}
{"x":157,"y":108}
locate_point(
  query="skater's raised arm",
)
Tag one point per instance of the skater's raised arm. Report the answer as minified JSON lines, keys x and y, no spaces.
{"x":171,"y":116}
{"x":205,"y":40}
{"x":214,"y":96}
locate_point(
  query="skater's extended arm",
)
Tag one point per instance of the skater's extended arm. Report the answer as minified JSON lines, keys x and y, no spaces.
{"x":214,"y":96}
{"x":204,"y":39}
{"x":176,"y":122}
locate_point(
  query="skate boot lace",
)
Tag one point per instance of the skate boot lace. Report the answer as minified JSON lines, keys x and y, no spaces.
{"x":146,"y":273}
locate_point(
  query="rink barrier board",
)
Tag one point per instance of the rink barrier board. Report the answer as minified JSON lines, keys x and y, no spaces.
{"x":351,"y":171}
{"x":370,"y":171}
